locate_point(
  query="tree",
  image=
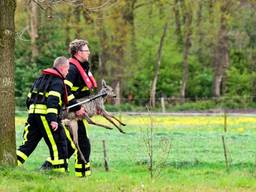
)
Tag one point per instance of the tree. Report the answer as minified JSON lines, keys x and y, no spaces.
{"x":221,"y":56}
{"x":178,"y":32}
{"x":118,"y":41}
{"x":33,"y":10}
{"x":7,"y":101}
{"x":157,"y":67}
{"x":101,"y":31}
{"x":186,"y":46}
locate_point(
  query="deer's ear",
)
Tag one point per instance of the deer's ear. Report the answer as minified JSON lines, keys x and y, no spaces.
{"x":103,"y":83}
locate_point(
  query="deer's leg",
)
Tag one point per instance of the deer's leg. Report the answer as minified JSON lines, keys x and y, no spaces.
{"x":90,"y":121}
{"x":117,"y":120}
{"x":106,"y":115}
{"x":80,"y":152}
{"x":73,"y":127}
{"x":112,"y":116}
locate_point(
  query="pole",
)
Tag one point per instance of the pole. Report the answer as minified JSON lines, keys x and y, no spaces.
{"x":223,"y":141}
{"x":105,"y":156}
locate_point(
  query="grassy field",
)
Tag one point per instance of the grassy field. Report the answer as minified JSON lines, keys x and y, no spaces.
{"x":187,"y":156}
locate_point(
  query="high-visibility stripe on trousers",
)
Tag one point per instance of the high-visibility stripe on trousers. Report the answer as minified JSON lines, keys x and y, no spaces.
{"x":82,"y":169}
{"x":38,"y":127}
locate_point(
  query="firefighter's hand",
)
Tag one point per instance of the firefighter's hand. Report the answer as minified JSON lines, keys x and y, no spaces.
{"x":81,"y":112}
{"x":54,"y":125}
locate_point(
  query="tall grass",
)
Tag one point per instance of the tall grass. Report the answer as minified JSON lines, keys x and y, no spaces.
{"x":195,"y":163}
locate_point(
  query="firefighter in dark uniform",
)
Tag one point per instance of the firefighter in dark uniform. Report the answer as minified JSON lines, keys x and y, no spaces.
{"x":44,"y":103}
{"x":80,"y":82}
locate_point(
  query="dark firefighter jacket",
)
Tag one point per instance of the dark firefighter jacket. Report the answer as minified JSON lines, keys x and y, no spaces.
{"x":47,"y":96}
{"x":75,"y":82}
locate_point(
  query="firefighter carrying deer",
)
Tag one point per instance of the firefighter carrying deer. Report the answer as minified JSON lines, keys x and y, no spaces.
{"x":80,"y":82}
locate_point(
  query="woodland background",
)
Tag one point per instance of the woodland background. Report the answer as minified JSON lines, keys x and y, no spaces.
{"x":196,"y":55}
{"x":182,"y":50}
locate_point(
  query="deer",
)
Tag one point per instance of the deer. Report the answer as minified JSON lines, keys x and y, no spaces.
{"x":92,"y":108}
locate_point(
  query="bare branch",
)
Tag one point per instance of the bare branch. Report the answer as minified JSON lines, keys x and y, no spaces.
{"x":101,"y":6}
{"x":113,"y":4}
{"x":19,"y":35}
{"x":39,"y":5}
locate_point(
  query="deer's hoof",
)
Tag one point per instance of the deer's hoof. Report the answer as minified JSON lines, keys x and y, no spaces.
{"x":122,"y":131}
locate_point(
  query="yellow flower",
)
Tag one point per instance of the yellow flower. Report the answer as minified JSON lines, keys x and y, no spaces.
{"x":240,"y":129}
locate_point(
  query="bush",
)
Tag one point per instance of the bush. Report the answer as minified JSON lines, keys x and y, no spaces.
{"x":195,"y":106}
{"x":124,"y":107}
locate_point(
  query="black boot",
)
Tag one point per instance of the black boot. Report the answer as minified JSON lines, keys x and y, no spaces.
{"x":46,"y":166}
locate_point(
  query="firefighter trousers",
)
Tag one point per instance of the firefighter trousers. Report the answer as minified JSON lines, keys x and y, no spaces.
{"x":37,"y":127}
{"x":82,"y":169}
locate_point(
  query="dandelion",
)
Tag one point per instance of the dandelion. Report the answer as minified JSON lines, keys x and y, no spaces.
{"x":240,"y":129}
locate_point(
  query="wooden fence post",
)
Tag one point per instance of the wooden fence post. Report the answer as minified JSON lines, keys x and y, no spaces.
{"x":163,"y":104}
{"x":105,"y":156}
{"x":223,"y":141}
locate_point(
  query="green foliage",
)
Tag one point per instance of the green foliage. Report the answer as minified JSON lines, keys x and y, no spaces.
{"x":195,"y":106}
{"x":128,"y":40}
{"x":237,"y":102}
{"x":201,"y":84}
{"x":124,"y":107}
{"x":25,"y":74}
{"x":239,"y":82}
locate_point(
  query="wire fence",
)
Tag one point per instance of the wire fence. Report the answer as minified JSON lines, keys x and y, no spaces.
{"x":174,"y":104}
{"x":220,"y":136}
{"x":192,"y":104}
{"x":176,"y":140}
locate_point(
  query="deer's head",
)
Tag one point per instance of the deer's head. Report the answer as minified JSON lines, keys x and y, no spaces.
{"x":107,"y":89}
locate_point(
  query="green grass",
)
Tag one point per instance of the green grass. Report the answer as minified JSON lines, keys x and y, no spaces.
{"x":135,"y":178}
{"x":195,"y":161}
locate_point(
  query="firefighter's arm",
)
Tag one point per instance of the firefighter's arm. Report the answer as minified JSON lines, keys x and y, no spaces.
{"x":80,"y":112}
{"x":70,"y":79}
{"x":28,"y":100}
{"x":72,"y":101}
{"x":54,"y":125}
{"x":54,"y":101}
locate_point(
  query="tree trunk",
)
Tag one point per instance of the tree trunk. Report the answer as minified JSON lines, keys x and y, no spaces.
{"x":200,"y":33}
{"x":128,"y":15}
{"x":34,"y":29}
{"x":103,"y":52}
{"x":221,"y":57}
{"x":186,"y":47}
{"x":7,"y":101}
{"x":157,"y":67}
{"x":210,"y":10}
{"x":253,"y":69}
{"x":176,"y":10}
{"x":120,"y":37}
{"x":68,"y":27}
{"x":252,"y":60}
{"x":118,"y":94}
{"x":77,"y":14}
